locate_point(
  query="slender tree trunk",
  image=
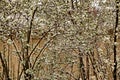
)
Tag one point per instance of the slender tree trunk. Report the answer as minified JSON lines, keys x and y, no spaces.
{"x":8,"y":62}
{"x":72,"y":4}
{"x":87,"y":67}
{"x":26,"y":66}
{"x":18,"y":77}
{"x":115,"y":41}
{"x":82,"y":69}
{"x":5,"y":68}
{"x":92,"y":59}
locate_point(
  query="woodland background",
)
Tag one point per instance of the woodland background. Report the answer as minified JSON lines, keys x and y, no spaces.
{"x":59,"y":40}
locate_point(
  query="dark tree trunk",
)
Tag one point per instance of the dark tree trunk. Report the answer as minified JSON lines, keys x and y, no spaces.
{"x":115,"y":40}
{"x":87,"y":67}
{"x":26,"y":66}
{"x":72,"y":4}
{"x":82,"y":67}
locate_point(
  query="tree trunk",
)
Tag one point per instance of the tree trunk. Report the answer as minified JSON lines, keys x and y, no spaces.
{"x":26,"y":66}
{"x":115,"y":41}
{"x":5,"y":68}
{"x":82,"y":69}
